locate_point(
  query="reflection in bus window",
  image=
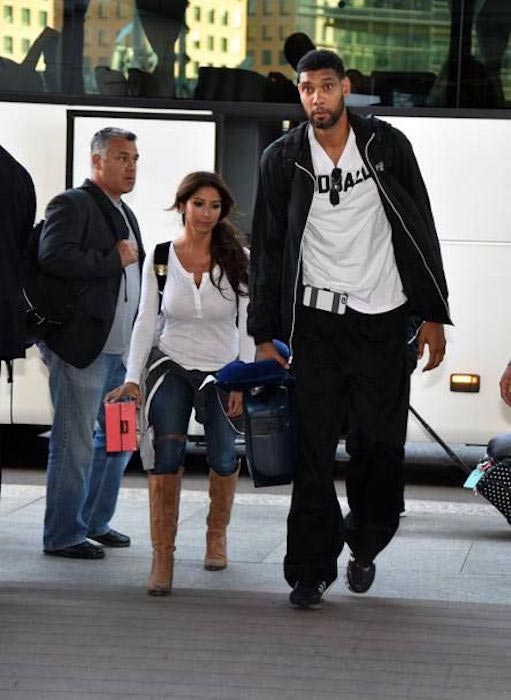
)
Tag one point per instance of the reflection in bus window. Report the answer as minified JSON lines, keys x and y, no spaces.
{"x":408,"y":51}
{"x":492,"y":28}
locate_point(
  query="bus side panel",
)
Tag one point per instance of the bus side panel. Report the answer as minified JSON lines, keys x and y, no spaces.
{"x":480,"y":342}
{"x":30,"y":392}
{"x":36,"y":135}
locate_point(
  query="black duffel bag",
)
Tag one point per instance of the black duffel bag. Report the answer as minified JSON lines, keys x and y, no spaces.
{"x":269,"y":439}
{"x":268,"y":416}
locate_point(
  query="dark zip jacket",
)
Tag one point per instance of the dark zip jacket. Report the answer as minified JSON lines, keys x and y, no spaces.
{"x":78,"y":248}
{"x":17,"y":207}
{"x":286,"y":188}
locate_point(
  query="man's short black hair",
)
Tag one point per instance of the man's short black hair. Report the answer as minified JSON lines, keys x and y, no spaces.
{"x":316,"y":59}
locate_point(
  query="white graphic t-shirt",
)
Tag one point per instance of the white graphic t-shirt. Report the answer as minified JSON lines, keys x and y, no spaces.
{"x":348,"y":247}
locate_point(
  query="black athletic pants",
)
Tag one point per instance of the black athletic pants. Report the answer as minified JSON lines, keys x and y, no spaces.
{"x":350,"y":369}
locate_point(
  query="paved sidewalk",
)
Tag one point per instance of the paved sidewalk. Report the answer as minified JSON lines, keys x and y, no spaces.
{"x":436,"y":624}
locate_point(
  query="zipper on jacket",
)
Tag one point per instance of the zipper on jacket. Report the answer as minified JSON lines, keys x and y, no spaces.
{"x":293,"y":318}
{"x":306,"y":171}
{"x":295,"y":286}
{"x":416,"y":334}
{"x":405,"y":228}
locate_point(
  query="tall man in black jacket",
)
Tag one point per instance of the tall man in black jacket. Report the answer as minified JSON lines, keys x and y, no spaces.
{"x":344,"y":250}
{"x":91,"y":242}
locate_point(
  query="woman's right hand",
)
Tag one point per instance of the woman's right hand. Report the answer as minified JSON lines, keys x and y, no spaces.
{"x":128,"y":390}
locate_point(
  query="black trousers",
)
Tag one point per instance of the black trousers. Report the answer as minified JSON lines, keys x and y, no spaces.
{"x":350,"y":369}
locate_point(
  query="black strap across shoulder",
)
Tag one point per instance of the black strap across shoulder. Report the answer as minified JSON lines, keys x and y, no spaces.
{"x":113,"y":217}
{"x":160,"y":266}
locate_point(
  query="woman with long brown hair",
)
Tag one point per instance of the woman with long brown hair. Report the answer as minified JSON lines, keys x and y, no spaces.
{"x":201,"y":328}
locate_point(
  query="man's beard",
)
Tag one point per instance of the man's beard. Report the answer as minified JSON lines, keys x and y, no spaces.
{"x":332,"y":120}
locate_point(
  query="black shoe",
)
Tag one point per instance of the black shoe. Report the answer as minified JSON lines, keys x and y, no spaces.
{"x":307,"y":596}
{"x":84,"y":550}
{"x":359,"y":579}
{"x":112,"y":538}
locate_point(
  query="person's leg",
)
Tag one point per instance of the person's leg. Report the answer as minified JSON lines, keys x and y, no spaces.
{"x":107,"y":468}
{"x":315,"y":525}
{"x":72,"y":44}
{"x":169,"y":415}
{"x":493,"y":27}
{"x":223,"y":477}
{"x":76,"y":397}
{"x":220,"y":435}
{"x":162,"y":21}
{"x":379,"y":386}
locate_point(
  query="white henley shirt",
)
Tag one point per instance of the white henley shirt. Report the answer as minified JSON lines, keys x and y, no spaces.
{"x":198,"y":324}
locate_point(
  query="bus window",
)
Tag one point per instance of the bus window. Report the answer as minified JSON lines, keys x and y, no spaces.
{"x":405,"y":53}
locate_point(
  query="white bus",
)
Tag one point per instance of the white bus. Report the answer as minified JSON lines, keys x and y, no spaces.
{"x":466,"y":164}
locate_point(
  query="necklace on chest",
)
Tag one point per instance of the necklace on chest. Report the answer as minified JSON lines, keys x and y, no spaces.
{"x":197,"y":269}
{"x":192,"y":264}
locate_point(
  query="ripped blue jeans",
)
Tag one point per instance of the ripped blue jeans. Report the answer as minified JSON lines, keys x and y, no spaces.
{"x":170,"y":412}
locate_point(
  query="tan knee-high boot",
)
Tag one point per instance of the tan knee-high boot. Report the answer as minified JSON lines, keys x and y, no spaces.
{"x":164,"y":492}
{"x":221,"y":493}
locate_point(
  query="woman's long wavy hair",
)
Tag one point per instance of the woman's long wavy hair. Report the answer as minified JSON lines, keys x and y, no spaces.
{"x":226,"y":240}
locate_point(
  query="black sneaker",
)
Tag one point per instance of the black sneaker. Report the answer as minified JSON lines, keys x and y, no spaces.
{"x":307,"y":596}
{"x":359,"y":579}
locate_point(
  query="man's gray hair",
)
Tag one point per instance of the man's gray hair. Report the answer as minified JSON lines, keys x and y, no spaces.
{"x":102,"y":138}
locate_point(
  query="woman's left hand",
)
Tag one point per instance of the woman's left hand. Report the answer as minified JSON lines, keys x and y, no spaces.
{"x":235,"y":404}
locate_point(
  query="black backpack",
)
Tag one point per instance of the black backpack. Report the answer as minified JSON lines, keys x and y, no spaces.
{"x":46,"y":300}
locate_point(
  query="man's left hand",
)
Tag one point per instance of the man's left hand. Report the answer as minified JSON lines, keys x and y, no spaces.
{"x":432,"y":335}
{"x":505,"y":385}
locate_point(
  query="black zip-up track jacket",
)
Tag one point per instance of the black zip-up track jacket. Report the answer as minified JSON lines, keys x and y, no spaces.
{"x":286,"y":188}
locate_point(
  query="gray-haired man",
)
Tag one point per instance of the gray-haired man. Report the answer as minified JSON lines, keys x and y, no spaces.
{"x":91,"y":242}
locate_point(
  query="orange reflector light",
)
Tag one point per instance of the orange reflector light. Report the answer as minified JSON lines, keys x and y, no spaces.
{"x":465,"y":382}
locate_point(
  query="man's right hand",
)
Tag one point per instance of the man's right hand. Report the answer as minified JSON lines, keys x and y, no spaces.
{"x":268,"y":351}
{"x":128,"y":252}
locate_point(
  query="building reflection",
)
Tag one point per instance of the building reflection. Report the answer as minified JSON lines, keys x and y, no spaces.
{"x":399,"y":50}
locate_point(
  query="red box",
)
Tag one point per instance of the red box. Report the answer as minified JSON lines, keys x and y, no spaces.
{"x":121,"y":426}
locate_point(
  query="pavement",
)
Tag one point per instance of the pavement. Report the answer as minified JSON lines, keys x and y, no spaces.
{"x":436,"y":624}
